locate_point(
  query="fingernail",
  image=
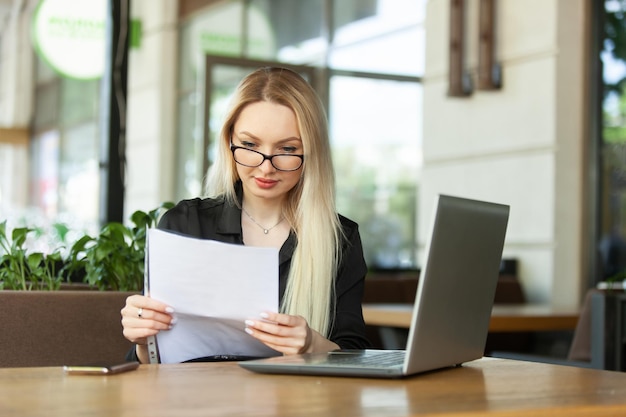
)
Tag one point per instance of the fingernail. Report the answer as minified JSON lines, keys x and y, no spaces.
{"x":174,"y":320}
{"x":264,"y":315}
{"x":247,"y":330}
{"x":169,"y":309}
{"x":249,"y":323}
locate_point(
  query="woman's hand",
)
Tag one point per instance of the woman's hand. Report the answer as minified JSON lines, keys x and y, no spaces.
{"x":142,"y":317}
{"x":288,"y":334}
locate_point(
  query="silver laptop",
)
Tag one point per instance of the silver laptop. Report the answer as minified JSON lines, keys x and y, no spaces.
{"x":452,"y":307}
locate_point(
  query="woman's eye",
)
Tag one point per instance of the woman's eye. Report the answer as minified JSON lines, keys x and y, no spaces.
{"x":247,"y":144}
{"x":288,"y":149}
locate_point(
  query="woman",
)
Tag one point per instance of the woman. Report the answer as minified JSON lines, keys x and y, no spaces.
{"x":272,"y":184}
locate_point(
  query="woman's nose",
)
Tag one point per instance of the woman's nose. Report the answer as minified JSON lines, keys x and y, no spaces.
{"x":266,"y":166}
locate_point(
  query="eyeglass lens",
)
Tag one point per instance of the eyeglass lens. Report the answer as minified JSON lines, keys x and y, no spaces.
{"x":252,"y":158}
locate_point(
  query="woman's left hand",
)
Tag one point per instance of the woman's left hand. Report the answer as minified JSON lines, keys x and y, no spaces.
{"x":288,"y":334}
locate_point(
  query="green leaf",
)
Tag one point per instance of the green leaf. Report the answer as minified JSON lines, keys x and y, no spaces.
{"x":80,"y":245}
{"x":61,"y":229}
{"x":141,"y":219}
{"x":34,"y":260}
{"x":19,"y":235}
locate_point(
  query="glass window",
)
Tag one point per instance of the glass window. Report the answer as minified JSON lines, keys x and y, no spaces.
{"x":79,"y":101}
{"x":189,"y":150}
{"x":46,"y":105}
{"x":64,"y":151}
{"x":13,"y":176}
{"x":377,"y":155}
{"x":612,"y":244}
{"x":287,"y":30}
{"x":45,"y":172}
{"x":79,"y":172}
{"x":376,"y":143}
{"x":44,"y":72}
{"x":386,"y":36}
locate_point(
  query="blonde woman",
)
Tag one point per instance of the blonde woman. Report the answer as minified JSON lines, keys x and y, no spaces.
{"x":272,"y":184}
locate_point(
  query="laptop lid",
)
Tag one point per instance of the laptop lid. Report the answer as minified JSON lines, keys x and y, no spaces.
{"x":452,"y":309}
{"x":457,"y":285}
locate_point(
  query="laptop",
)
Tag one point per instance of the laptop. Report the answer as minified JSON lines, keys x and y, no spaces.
{"x":452,"y":307}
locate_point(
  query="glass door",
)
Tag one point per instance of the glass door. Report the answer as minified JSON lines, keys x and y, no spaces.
{"x":222,"y":77}
{"x":375,"y":128}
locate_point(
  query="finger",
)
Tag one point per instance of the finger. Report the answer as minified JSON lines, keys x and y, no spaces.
{"x":289,"y":339}
{"x":139,"y":336}
{"x":162,"y":322}
{"x":137,"y":330}
{"x":284,"y":345}
{"x":277,"y":329}
{"x":283,"y":319}
{"x":139,"y":306}
{"x":149,"y":318}
{"x":285,"y":350}
{"x":141,"y":301}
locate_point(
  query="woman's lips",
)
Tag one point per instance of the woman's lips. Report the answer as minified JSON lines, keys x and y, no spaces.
{"x":265,"y":183}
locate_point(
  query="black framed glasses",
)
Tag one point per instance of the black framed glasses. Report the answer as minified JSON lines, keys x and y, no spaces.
{"x":250,"y":158}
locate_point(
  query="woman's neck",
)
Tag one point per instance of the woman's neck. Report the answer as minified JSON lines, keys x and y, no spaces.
{"x":263,"y":224}
{"x":266,"y":212}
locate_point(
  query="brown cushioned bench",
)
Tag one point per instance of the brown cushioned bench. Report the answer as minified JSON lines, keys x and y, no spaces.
{"x":53,"y":328}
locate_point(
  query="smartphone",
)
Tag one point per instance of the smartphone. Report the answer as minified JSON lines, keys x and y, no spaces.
{"x":109,"y":369}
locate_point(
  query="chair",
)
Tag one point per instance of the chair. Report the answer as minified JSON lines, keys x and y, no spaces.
{"x":600,"y":336}
{"x":53,"y":328}
{"x":599,"y":340}
{"x":401,"y":287}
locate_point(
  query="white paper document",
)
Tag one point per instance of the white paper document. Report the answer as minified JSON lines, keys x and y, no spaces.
{"x":213,"y":287}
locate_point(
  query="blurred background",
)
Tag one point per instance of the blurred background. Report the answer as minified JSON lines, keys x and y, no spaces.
{"x":111,"y":106}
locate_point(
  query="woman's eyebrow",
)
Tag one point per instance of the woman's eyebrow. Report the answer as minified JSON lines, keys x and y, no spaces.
{"x":252,"y":136}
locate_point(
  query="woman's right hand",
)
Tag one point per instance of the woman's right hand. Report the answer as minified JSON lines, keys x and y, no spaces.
{"x":143,"y":317}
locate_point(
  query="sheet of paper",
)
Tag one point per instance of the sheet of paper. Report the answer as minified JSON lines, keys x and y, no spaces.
{"x":213,"y":287}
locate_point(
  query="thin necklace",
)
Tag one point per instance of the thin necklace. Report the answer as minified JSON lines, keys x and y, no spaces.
{"x":266,"y":231}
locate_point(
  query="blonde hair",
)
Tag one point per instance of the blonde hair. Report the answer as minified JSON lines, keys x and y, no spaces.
{"x":310,"y":205}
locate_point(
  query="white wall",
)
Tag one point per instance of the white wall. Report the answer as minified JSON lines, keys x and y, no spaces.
{"x":521,"y":145}
{"x":16,"y":102}
{"x":16,"y":66}
{"x":151,"y":111}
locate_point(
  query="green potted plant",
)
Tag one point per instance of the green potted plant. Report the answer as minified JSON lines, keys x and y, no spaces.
{"x":112,"y":260}
{"x":43,"y":320}
{"x":20,"y":270}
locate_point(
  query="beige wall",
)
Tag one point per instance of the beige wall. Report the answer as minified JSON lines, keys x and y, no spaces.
{"x":521,"y":145}
{"x":152,"y":106}
{"x":16,"y":66}
{"x":16,"y":101}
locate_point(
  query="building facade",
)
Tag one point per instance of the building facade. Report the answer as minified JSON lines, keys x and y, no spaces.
{"x":399,"y":136}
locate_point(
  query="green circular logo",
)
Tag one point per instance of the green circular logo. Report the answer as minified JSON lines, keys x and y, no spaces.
{"x":70,"y":36}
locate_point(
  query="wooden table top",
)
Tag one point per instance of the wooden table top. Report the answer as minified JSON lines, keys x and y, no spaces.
{"x":504,"y":318}
{"x":497,"y":387}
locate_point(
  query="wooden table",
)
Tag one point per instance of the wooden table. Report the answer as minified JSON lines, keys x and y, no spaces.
{"x":504,"y":318}
{"x":496,"y":387}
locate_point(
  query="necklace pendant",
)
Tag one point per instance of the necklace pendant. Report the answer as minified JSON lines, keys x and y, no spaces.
{"x":265,"y":231}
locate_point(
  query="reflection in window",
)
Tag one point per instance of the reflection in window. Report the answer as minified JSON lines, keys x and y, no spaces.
{"x":375,"y":122}
{"x":385,"y":36}
{"x":64,"y":152}
{"x":377,"y":155}
{"x":612,"y":245}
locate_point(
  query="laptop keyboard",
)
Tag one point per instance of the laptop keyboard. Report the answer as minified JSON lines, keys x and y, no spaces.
{"x":375,"y":360}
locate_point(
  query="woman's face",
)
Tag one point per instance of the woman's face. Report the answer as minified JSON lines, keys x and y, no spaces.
{"x":270,"y":129}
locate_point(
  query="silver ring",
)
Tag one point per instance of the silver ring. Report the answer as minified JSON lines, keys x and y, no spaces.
{"x":139,"y":312}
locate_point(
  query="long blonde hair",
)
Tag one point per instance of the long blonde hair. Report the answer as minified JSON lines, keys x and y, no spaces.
{"x":310,"y":205}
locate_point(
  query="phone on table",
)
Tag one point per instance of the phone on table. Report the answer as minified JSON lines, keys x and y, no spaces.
{"x":101,"y":369}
